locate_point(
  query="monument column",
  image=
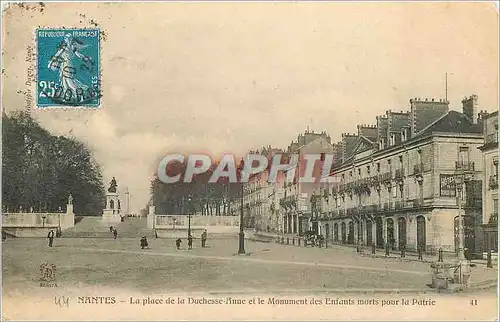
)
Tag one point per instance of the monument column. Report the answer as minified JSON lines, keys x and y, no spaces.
{"x":111,"y":213}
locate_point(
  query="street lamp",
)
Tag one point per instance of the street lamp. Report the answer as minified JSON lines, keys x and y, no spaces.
{"x":189,"y":216}
{"x":241,"y":248}
{"x":43,"y":220}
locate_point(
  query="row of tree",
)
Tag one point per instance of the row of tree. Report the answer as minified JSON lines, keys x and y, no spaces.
{"x":40,"y":170}
{"x":199,"y":196}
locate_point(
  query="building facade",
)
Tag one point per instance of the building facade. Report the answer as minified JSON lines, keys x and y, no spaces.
{"x":396,"y":186}
{"x":490,"y":182}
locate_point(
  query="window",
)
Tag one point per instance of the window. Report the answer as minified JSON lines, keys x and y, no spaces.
{"x":495,"y":206}
{"x":359,"y":172}
{"x":368,"y":169}
{"x":381,"y":144}
{"x":378,"y":167}
{"x":463,"y":156}
{"x":322,"y":158}
{"x":350,"y":174}
{"x":401,"y":160}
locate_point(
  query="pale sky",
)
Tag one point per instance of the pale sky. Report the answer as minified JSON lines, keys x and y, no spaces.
{"x":229,"y":77}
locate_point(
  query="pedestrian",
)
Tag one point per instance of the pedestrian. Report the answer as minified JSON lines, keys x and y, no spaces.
{"x":110,"y":229}
{"x":144,"y":242}
{"x":178,"y":243}
{"x":190,"y":242}
{"x":204,"y":238}
{"x":50,"y":236}
{"x":115,"y":233}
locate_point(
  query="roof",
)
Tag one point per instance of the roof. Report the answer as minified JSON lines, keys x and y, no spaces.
{"x":453,"y":122}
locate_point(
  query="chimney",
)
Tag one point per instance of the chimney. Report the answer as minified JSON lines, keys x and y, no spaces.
{"x":471,"y":108}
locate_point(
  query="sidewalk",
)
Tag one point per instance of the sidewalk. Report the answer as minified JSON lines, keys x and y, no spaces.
{"x":483,"y":277}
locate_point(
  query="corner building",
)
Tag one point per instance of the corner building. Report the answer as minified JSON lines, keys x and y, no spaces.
{"x":394,"y":183}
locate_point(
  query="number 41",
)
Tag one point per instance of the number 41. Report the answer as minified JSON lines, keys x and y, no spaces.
{"x":473,"y":302}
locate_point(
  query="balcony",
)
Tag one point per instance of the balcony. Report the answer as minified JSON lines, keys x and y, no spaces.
{"x":385,"y":177}
{"x":418,"y":169}
{"x":387,"y":206}
{"x":493,"y":183}
{"x":399,"y":175}
{"x":491,"y":138}
{"x":417,"y":203}
{"x":398,"y":205}
{"x":464,"y":166}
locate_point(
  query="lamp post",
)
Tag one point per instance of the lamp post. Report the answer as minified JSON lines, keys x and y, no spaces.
{"x":241,"y":248}
{"x":43,"y":220}
{"x":189,"y":216}
{"x":127,"y":199}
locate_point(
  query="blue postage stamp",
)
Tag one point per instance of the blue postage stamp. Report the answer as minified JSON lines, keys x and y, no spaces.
{"x":68,"y":67}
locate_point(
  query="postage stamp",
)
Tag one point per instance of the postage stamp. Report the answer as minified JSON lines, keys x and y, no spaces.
{"x":68,"y":70}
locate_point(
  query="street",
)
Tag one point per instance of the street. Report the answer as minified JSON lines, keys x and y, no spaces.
{"x":266,"y":267}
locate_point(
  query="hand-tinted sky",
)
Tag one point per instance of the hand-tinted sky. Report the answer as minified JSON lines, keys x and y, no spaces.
{"x":229,"y":77}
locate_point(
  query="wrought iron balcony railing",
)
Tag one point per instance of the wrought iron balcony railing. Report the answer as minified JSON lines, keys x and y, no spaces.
{"x":398,"y":205}
{"x":418,"y":169}
{"x":466,"y":166}
{"x":417,"y":203}
{"x":399,"y":174}
{"x":384,"y":177}
{"x":493,"y":183}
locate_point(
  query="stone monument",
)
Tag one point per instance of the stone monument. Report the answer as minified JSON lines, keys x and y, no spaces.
{"x":111,"y":213}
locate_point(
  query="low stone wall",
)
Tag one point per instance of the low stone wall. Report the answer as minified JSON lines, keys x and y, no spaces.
{"x":35,"y":224}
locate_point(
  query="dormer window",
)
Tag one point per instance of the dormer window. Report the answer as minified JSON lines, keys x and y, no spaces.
{"x":381,"y":144}
{"x":393,"y":139}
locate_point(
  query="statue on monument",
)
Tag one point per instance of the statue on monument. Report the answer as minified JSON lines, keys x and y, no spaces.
{"x":112,"y":185}
{"x":70,"y":199}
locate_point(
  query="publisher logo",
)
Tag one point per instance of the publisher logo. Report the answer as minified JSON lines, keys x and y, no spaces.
{"x":48,"y":275}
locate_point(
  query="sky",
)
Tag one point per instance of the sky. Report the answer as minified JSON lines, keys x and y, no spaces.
{"x":230,"y":77}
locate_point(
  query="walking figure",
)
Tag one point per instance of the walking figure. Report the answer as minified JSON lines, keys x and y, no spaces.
{"x":144,"y":242}
{"x":115,"y":233}
{"x":190,"y":242}
{"x":110,"y":229}
{"x":203,"y":238}
{"x":50,"y":236}
{"x":178,"y":243}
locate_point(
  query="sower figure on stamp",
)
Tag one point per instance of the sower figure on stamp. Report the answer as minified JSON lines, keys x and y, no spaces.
{"x":50,"y":236}
{"x":204,"y":238}
{"x":66,"y":60}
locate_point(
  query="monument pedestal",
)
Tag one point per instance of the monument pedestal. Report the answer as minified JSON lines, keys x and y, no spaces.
{"x":112,"y":211}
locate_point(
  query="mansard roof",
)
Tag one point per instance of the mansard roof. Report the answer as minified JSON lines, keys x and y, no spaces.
{"x":452,"y":122}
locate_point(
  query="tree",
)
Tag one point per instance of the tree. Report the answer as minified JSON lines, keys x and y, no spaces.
{"x":41,"y":170}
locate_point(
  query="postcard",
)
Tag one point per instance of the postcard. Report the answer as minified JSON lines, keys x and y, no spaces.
{"x":249,"y":161}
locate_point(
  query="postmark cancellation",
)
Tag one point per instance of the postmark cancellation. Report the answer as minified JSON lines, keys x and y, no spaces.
{"x":68,"y":68}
